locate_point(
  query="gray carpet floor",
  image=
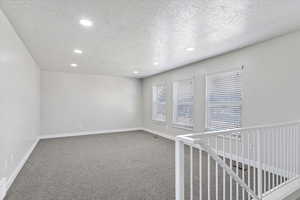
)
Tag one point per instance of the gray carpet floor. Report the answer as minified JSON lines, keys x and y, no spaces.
{"x":121,"y":166}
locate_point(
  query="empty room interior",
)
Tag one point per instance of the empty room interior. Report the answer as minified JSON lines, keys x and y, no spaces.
{"x":149,"y":100}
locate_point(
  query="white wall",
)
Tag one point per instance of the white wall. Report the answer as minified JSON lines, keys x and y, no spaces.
{"x":72,"y":103}
{"x":270,"y":84}
{"x":19,"y":99}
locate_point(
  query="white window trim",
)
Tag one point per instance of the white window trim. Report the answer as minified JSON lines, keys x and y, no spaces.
{"x":152,"y":103}
{"x":206,"y":93}
{"x":179,"y":125}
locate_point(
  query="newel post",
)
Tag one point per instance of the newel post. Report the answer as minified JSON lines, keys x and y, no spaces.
{"x":179,"y":164}
{"x":259,"y":160}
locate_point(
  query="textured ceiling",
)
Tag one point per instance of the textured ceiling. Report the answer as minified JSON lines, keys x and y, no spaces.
{"x":132,"y":35}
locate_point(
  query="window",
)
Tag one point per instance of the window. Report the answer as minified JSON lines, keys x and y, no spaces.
{"x":159,"y":100}
{"x":183,"y":99}
{"x":223,"y":100}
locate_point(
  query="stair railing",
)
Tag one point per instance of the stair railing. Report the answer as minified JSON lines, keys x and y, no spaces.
{"x":245,"y":163}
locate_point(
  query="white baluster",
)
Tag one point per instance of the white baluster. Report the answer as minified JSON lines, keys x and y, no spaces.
{"x":237,"y":165}
{"x":287,"y":152}
{"x":208,"y":174}
{"x":230,"y":155}
{"x":259,"y":160}
{"x":224,"y":174}
{"x":265,"y":161}
{"x":254,"y":161}
{"x":191,"y":173}
{"x":243,"y":164}
{"x":276,"y":158}
{"x":283,"y":155}
{"x":295,"y":151}
{"x":200,"y":174}
{"x":249,"y":160}
{"x":217,"y":172}
{"x":278,"y":155}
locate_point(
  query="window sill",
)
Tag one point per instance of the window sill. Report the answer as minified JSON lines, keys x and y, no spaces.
{"x":184,"y":127}
{"x":159,"y":121}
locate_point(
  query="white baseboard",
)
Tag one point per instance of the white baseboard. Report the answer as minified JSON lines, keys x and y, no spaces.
{"x":159,"y":134}
{"x":83,"y":133}
{"x":2,"y":188}
{"x":19,"y":167}
{"x":88,"y":133}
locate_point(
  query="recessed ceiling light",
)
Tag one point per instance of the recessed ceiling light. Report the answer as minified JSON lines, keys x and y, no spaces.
{"x":86,"y":22}
{"x":78,"y":51}
{"x":155,"y":63}
{"x":136,"y":72}
{"x":74,"y":65}
{"x":190,"y":49}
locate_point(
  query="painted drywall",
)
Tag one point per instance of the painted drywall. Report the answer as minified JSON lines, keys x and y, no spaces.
{"x":19,"y":100}
{"x":73,"y":103}
{"x":270,"y":81}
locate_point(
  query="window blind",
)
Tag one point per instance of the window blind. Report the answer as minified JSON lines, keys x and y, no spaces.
{"x":159,"y":100}
{"x":183,"y":100}
{"x":224,"y":101}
